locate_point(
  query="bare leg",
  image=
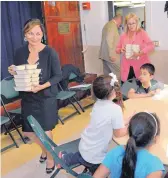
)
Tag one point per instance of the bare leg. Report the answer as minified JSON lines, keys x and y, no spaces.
{"x":33,"y":137}
{"x":50,"y":160}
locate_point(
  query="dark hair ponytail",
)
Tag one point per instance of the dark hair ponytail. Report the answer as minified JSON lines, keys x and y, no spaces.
{"x":129,"y":160}
{"x":143,"y":128}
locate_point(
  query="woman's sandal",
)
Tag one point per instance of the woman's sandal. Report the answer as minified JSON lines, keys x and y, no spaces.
{"x":50,"y":170}
{"x":42,"y":159}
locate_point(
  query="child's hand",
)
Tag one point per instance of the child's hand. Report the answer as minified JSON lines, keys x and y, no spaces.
{"x":157,"y":91}
{"x":151,"y":93}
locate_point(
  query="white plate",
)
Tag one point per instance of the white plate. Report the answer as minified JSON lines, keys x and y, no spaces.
{"x":23,"y":88}
{"x":28,"y":66}
{"x":22,"y":80}
{"x":35,"y":79}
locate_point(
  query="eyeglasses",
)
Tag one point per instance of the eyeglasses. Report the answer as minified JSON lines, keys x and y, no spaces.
{"x":130,"y":24}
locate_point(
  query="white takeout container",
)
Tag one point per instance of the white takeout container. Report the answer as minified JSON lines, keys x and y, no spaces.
{"x":37,"y":71}
{"x":35,"y":79}
{"x":24,"y":76}
{"x":35,"y":83}
{"x":23,"y":88}
{"x":22,"y":72}
{"x":20,"y":67}
{"x":22,"y":80}
{"x":28,"y":66}
{"x":35,"y":75}
{"x":23,"y":84}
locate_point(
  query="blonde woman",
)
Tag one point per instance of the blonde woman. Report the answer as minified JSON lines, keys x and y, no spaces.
{"x":40,"y":102}
{"x":133,"y":36}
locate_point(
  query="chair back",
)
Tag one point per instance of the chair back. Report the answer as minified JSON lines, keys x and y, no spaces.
{"x":127,"y":86}
{"x":49,"y":144}
{"x":72,"y":76}
{"x":7,"y":88}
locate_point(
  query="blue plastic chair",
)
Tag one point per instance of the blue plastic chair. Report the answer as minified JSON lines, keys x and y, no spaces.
{"x":8,"y":92}
{"x":3,"y":122}
{"x":83,"y":88}
{"x":55,"y":149}
{"x":70,"y":96}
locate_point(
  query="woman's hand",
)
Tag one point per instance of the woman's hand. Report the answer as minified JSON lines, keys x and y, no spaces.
{"x":37,"y":88}
{"x":122,"y":50}
{"x":135,"y":56}
{"x":11,"y":70}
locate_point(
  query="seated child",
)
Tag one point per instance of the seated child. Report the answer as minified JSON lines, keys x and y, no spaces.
{"x":146,"y":86}
{"x":135,"y":160}
{"x":106,"y":120}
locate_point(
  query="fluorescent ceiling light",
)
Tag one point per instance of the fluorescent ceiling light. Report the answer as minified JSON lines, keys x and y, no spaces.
{"x":122,"y":3}
{"x":137,"y":1}
{"x":138,"y":5}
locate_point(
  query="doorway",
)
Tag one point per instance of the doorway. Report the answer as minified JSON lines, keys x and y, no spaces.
{"x":137,"y":7}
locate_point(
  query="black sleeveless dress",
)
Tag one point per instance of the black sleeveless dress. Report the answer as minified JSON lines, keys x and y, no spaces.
{"x":43,"y":104}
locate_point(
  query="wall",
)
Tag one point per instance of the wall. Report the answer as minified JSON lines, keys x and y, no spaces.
{"x":92,"y":22}
{"x":157,"y":28}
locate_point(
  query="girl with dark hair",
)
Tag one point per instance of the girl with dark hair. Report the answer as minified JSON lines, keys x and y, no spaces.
{"x":106,"y":120}
{"x":135,"y":160}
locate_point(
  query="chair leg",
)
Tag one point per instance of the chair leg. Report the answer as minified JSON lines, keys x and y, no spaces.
{"x":18,"y":130}
{"x":79,"y":104}
{"x":55,"y":173}
{"x":74,"y":106}
{"x":11,"y":136}
{"x":60,"y":120}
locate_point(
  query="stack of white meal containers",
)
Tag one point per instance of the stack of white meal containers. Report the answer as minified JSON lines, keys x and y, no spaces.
{"x":130,"y":49}
{"x":26,"y":77}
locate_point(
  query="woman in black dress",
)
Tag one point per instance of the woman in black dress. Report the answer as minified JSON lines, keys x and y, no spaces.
{"x":41,"y":101}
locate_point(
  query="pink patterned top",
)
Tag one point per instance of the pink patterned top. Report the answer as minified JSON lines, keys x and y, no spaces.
{"x":146,"y":45}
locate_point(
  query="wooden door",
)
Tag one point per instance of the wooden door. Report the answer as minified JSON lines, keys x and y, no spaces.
{"x":62,"y":22}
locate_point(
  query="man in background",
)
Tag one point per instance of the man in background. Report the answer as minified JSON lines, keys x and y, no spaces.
{"x":110,"y":38}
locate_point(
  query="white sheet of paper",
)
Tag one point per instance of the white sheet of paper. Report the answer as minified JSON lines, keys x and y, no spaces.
{"x":81,"y":86}
{"x":161,"y":95}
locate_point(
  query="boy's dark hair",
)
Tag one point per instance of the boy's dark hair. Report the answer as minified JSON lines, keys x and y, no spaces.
{"x":142,"y":129}
{"x":102,"y":88}
{"x":149,"y":67}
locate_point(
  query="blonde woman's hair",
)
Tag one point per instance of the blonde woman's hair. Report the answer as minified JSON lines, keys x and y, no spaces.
{"x":32,"y":23}
{"x":135,"y":17}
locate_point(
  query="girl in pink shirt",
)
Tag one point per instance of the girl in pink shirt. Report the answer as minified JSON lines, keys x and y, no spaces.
{"x":134,"y":35}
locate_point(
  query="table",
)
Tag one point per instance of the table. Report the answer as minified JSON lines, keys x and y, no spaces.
{"x":160,"y":107}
